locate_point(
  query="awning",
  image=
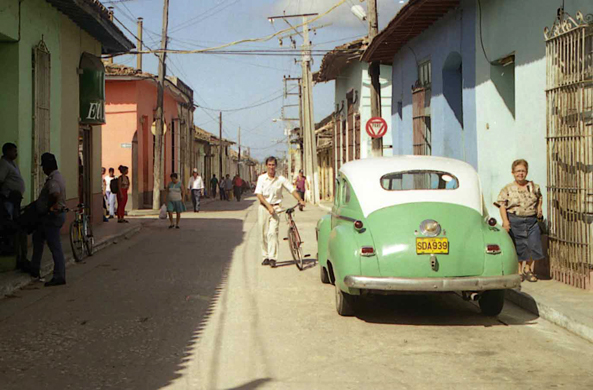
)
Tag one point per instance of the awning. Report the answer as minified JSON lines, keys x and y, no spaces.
{"x":411,"y":20}
{"x":334,"y":61}
{"x":93,"y":17}
{"x":91,"y":90}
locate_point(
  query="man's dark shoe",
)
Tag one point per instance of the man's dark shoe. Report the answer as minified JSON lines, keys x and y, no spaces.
{"x":55,"y":282}
{"x":265,"y":262}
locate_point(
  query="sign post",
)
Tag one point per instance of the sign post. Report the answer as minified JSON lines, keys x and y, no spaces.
{"x":376,"y":127}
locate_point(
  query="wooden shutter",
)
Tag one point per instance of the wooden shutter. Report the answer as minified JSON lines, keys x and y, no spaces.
{"x":41,"y":111}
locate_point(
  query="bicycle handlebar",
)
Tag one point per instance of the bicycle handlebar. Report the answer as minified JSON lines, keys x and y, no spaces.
{"x":289,"y":210}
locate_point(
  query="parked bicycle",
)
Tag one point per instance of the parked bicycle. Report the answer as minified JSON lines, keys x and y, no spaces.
{"x":81,"y":234}
{"x":294,"y":239}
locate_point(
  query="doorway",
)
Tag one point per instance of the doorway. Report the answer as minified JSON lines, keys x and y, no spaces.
{"x":85,"y":144}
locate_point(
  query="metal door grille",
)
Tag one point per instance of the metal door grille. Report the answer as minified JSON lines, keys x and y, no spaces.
{"x":569,"y":95}
{"x":41,"y":114}
{"x":357,"y":136}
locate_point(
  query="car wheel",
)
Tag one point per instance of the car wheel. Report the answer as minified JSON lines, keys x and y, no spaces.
{"x":323,"y":274}
{"x":345,"y":303}
{"x":491,"y":302}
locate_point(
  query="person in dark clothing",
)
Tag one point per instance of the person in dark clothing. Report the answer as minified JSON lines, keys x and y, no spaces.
{"x":12,"y":188}
{"x":50,"y":206}
{"x":214,"y":186}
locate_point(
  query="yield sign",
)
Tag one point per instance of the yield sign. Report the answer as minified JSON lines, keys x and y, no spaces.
{"x":376,"y":127}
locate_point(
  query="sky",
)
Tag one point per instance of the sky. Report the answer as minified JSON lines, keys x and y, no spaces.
{"x":227,"y":82}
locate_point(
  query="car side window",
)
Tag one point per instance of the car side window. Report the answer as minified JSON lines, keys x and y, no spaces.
{"x":337,"y":197}
{"x":347,"y":192}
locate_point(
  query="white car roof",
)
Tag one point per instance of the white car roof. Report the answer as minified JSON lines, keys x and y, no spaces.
{"x":365,"y":177}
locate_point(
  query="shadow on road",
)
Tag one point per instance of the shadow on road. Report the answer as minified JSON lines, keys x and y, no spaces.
{"x":129,"y":318}
{"x":434,"y":309}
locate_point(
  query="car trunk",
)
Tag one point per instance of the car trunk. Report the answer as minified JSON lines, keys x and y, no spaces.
{"x":393,"y":230}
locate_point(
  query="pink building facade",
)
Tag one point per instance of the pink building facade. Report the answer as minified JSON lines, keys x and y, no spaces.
{"x":127,"y":136}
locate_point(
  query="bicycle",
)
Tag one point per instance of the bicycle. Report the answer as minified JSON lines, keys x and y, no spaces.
{"x":81,"y":234}
{"x":294,"y":239}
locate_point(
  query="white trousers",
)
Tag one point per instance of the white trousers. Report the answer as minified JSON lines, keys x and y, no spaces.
{"x":268,"y":226}
{"x":110,"y":198}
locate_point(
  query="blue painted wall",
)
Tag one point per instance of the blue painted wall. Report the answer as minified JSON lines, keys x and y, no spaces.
{"x":449,"y":43}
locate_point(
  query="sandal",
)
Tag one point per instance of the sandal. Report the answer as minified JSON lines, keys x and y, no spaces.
{"x":171,"y":226}
{"x":530,"y":277}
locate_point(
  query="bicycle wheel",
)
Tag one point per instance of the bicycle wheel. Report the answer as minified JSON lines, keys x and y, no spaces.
{"x":294,"y":240}
{"x":76,"y":241}
{"x":87,"y":231}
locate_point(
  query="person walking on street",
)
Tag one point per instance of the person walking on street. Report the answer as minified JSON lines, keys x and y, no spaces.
{"x":50,"y":206}
{"x":520,"y":204}
{"x":175,"y":196}
{"x":301,"y":185}
{"x":196,"y":186}
{"x":213,"y":186}
{"x":110,"y":195}
{"x":123,"y":184}
{"x":269,"y":193}
{"x":12,"y":189}
{"x":237,"y":187}
{"x":228,"y":187}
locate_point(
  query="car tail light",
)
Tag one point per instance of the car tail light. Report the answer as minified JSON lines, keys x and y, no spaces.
{"x":492,"y":249}
{"x":367,"y":251}
{"x":491,"y":221}
{"x":358,"y":225}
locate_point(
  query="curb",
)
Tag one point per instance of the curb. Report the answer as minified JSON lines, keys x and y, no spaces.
{"x":21,"y":280}
{"x":550,"y":314}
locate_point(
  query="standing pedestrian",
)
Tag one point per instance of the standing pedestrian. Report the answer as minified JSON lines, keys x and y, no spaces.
{"x":109,"y":194}
{"x":221,"y":185}
{"x":228,"y":187}
{"x":50,"y":206}
{"x":104,"y":192}
{"x":269,"y":193}
{"x":123,"y":183}
{"x":213,"y":186}
{"x":196,"y":186}
{"x":12,"y":189}
{"x":175,"y":196}
{"x":520,"y":204}
{"x":301,"y":185}
{"x":237,"y":187}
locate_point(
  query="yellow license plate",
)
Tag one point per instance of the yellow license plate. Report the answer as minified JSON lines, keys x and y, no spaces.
{"x":432,"y":246}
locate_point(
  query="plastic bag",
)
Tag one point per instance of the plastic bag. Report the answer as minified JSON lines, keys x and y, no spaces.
{"x":163,"y":212}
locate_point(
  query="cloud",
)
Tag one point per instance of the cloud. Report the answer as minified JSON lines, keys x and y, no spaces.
{"x":340,"y":17}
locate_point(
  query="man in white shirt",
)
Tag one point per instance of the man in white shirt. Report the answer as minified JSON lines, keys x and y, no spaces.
{"x":109,"y":196}
{"x":269,"y":193}
{"x":196,"y":186}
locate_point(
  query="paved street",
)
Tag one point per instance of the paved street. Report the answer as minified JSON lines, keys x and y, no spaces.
{"x":193,"y":309}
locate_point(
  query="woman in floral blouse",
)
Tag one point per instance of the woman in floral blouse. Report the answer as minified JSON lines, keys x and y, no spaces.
{"x":520,"y":204}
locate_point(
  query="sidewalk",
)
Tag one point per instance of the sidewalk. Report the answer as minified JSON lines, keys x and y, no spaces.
{"x":568,"y":307}
{"x":106,"y":233}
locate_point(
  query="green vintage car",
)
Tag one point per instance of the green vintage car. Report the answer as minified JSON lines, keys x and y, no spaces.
{"x":413,"y":224}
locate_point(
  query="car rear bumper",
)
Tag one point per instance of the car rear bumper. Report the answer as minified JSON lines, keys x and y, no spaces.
{"x":470,"y":283}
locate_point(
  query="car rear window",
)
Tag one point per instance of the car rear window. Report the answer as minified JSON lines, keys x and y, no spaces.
{"x":419,"y":180}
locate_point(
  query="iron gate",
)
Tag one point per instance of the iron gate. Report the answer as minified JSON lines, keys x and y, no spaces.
{"x":569,"y":95}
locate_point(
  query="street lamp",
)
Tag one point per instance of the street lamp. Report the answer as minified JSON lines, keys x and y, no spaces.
{"x":359,"y":12}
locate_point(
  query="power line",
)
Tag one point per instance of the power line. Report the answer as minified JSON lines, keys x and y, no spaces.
{"x":197,"y":19}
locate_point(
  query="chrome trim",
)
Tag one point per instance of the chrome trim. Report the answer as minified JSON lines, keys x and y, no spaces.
{"x":470,"y":283}
{"x":344,"y":218}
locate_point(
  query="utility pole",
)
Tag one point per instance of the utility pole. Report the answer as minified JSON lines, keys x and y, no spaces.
{"x":220,"y":145}
{"x":158,"y":147}
{"x":239,"y":160}
{"x":374,"y":73}
{"x":139,"y":45}
{"x":309,"y":140}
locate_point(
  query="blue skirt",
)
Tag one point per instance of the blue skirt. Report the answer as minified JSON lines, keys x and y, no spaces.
{"x":527,"y":237}
{"x":175,"y":206}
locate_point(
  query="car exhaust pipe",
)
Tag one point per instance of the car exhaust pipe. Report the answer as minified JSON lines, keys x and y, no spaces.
{"x":474,"y":297}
